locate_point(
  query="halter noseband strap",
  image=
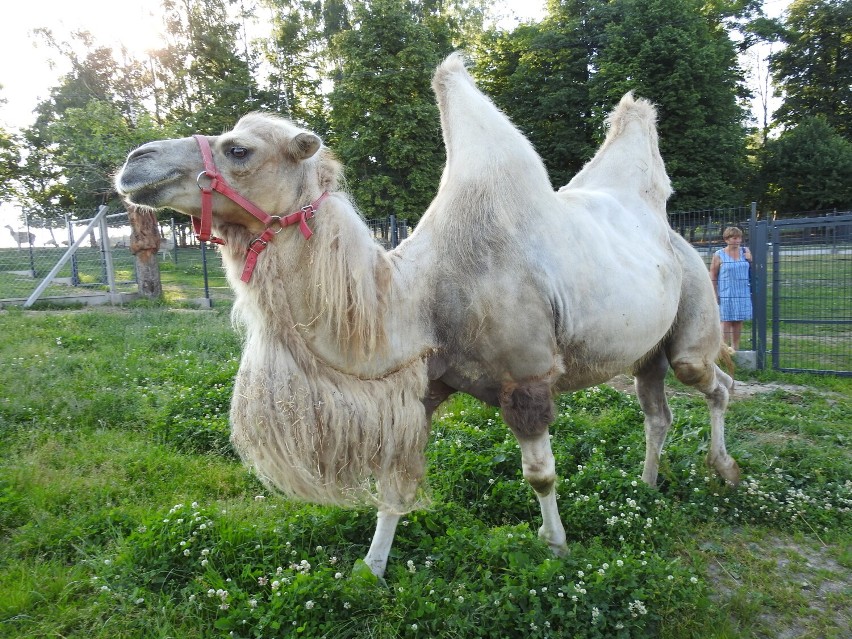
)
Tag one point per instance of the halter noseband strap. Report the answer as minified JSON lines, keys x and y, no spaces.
{"x":203,"y":227}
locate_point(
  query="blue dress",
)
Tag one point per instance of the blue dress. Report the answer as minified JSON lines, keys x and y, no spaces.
{"x":734,"y":288}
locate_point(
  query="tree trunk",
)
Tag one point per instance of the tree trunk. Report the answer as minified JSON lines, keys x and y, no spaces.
{"x":144,"y":244}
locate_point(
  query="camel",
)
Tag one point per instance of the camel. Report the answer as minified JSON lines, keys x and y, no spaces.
{"x":506,"y":290}
{"x":21,"y":237}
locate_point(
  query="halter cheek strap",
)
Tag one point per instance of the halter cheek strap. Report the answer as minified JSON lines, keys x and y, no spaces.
{"x":203,"y":227}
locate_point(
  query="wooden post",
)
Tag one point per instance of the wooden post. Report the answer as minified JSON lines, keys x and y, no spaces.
{"x":145,"y":244}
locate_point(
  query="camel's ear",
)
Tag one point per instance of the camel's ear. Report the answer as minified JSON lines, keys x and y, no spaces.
{"x":304,"y":146}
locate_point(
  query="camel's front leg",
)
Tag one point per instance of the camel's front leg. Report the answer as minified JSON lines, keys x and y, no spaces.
{"x":540,"y":471}
{"x":377,"y":556}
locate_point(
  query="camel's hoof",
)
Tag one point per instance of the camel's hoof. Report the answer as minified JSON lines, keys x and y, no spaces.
{"x":557,"y":546}
{"x":728,"y":470}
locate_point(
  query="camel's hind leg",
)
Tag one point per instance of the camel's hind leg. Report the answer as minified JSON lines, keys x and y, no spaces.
{"x":650,"y":390}
{"x":695,"y":366}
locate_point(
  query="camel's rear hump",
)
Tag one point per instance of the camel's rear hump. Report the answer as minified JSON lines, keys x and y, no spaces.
{"x":629,"y":159}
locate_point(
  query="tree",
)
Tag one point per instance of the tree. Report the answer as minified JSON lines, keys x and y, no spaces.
{"x":383,"y":114}
{"x":299,"y":58}
{"x":10,"y":158}
{"x":808,"y":168}
{"x":202,"y":84}
{"x":814,"y":71}
{"x":539,"y":74}
{"x":678,"y":54}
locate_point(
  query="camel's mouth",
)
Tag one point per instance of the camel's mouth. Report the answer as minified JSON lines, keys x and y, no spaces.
{"x":143,"y":192}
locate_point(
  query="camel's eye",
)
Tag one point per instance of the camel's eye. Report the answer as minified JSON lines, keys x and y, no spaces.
{"x":239,"y":152}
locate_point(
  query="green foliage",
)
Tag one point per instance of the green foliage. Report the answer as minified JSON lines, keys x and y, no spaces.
{"x":808,"y":168}
{"x":9,"y":162}
{"x":539,"y":75}
{"x":670,"y":52}
{"x":205,"y":82}
{"x":814,"y":70}
{"x":383,"y":113}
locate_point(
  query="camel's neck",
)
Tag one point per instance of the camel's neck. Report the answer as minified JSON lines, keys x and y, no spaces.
{"x":337,"y":293}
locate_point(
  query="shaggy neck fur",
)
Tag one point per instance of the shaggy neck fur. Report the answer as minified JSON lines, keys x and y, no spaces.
{"x":304,"y":415}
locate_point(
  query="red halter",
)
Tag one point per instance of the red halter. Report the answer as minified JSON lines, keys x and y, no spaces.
{"x":217,"y":183}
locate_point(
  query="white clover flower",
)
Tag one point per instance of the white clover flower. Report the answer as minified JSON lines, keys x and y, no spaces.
{"x":211,"y":593}
{"x":693,"y":580}
{"x":411,"y":567}
{"x":338,"y":575}
{"x":414,"y":627}
{"x":347,"y":605}
{"x":252,"y":603}
{"x":309,"y":604}
{"x":533,"y":592}
{"x":204,"y":563}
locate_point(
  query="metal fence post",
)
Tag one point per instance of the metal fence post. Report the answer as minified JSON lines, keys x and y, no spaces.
{"x":75,"y":274}
{"x":174,"y":241}
{"x":759,"y":245}
{"x":32,"y":248}
{"x":394,"y":234}
{"x":204,"y":270}
{"x":106,"y":256}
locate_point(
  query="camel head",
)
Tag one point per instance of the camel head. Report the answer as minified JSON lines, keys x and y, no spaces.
{"x":266,"y":159}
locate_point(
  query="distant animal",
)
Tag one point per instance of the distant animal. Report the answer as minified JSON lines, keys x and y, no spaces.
{"x":21,"y":237}
{"x":51,"y":242}
{"x":506,"y":290}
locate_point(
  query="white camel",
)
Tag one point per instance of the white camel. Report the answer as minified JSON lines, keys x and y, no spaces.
{"x":21,"y":237}
{"x":506,"y":290}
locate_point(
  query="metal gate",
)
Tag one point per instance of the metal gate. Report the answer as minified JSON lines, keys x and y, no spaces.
{"x":803,"y":294}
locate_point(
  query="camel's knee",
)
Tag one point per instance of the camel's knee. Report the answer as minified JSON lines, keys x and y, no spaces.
{"x":693,"y":372}
{"x":541,"y":476}
{"x":527,"y":408}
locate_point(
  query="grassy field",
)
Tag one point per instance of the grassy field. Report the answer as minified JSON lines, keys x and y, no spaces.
{"x":124,"y":513}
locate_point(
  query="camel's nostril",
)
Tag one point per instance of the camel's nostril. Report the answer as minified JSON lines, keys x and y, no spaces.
{"x":142,"y":150}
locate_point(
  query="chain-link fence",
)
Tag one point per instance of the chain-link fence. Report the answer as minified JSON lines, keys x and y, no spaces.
{"x":99,"y":270}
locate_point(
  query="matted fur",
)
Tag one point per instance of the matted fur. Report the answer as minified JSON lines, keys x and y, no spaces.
{"x":308,"y":429}
{"x":324,"y":436}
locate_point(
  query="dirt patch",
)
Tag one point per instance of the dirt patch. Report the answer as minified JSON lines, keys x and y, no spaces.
{"x":742,"y":390}
{"x":804,"y":590}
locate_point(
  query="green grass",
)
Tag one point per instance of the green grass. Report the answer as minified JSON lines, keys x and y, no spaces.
{"x":124,"y":512}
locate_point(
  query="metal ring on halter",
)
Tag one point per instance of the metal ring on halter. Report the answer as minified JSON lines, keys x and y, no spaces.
{"x":273,"y":220}
{"x":198,"y":180}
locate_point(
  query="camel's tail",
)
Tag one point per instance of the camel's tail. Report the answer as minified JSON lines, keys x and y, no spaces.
{"x":631,"y":152}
